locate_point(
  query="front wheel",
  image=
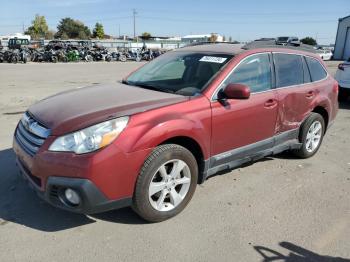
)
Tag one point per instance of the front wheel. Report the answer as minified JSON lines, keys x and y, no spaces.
{"x":311,"y":136}
{"x":166,"y":183}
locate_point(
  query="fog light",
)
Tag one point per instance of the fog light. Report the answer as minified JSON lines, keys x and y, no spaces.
{"x":72,"y":197}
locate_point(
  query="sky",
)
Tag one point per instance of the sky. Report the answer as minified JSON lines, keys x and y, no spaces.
{"x":242,"y":20}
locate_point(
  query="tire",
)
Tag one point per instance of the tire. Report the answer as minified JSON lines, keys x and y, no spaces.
{"x":343,"y":95}
{"x":14,"y":59}
{"x":89,"y":58}
{"x":122,"y":58}
{"x":158,"y":168}
{"x":307,"y":129}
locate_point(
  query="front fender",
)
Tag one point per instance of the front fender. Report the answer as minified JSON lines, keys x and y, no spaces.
{"x":190,"y":119}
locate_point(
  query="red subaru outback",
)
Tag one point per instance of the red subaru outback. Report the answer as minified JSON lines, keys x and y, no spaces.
{"x":150,"y":139}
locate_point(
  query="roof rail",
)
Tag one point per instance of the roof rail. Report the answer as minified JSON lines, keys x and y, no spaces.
{"x":272,"y":44}
{"x":210,"y":43}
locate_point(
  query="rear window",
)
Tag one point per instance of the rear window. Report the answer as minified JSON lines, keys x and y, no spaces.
{"x":307,"y":77}
{"x":316,"y":69}
{"x":289,"y":70}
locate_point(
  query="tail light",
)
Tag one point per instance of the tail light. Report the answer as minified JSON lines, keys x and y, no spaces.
{"x":336,"y":87}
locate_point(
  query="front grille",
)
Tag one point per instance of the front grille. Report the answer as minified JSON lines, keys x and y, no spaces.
{"x":30,"y":134}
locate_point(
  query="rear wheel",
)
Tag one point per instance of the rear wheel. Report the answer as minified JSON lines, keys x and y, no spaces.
{"x":14,"y":59}
{"x":311,"y":136}
{"x":122,"y":58}
{"x":166,"y":183}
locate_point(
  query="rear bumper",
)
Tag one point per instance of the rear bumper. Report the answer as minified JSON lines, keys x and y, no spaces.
{"x":92,"y":199}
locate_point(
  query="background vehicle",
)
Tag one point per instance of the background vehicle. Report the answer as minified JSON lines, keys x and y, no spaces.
{"x":18,"y":43}
{"x":149,"y":140}
{"x":343,"y":77}
{"x":325,"y":54}
{"x":288,"y":40}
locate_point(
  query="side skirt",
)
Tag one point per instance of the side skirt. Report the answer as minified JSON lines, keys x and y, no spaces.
{"x":250,"y":153}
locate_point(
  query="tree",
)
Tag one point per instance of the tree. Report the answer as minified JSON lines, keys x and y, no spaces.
{"x":39,"y":28}
{"x":50,"y":34}
{"x":213,"y":38}
{"x":98,"y":31}
{"x":69,"y":28}
{"x":224,"y":38}
{"x":230,"y":39}
{"x":308,"y":41}
{"x":146,"y":35}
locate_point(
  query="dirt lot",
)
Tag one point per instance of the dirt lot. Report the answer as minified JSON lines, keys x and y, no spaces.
{"x":280,"y":207}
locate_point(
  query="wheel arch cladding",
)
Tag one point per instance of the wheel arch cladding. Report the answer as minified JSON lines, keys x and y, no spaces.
{"x":194,"y":147}
{"x":324,"y":113}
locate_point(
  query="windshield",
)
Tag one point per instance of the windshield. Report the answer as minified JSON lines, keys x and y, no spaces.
{"x":180,"y":72}
{"x":282,"y":38}
{"x":19,"y":41}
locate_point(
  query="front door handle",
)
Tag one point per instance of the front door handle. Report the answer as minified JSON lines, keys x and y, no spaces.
{"x":270,"y":103}
{"x":310,"y":94}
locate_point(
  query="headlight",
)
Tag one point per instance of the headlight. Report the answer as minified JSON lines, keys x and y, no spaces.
{"x":91,"y":138}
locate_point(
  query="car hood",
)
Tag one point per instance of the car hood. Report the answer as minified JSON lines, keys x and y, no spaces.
{"x":79,"y":108}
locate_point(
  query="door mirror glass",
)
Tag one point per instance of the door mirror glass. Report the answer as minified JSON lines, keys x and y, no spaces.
{"x":236,"y":91}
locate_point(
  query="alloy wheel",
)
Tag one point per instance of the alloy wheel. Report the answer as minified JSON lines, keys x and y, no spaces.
{"x":169,"y":185}
{"x":313,"y":137}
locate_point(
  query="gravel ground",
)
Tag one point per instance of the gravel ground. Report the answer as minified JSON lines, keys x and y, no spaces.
{"x":279,"y":208}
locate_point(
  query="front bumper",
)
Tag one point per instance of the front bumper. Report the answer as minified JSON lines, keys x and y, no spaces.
{"x":92,"y":199}
{"x":105,"y":179}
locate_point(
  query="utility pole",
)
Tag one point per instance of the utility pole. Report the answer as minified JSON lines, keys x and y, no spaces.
{"x":134,"y":15}
{"x":23,"y":28}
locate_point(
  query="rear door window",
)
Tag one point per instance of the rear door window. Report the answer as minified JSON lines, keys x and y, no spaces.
{"x":316,"y":69}
{"x":289,"y":70}
{"x":254,"y":71}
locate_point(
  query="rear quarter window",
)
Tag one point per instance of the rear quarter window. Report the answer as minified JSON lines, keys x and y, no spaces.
{"x":317,"y":71}
{"x":289,"y":69}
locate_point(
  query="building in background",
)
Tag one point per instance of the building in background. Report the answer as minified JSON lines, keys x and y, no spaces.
{"x":202,"y":38}
{"x":342,"y":41}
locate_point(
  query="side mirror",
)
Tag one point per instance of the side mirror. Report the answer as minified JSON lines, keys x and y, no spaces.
{"x":235,"y":91}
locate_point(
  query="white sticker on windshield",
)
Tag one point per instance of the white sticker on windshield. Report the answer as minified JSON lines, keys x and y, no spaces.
{"x":213,"y":59}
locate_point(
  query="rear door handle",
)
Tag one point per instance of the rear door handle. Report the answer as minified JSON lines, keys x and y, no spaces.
{"x":310,"y":94}
{"x":270,"y":103}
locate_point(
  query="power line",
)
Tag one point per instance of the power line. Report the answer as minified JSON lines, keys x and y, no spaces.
{"x":234,"y":22}
{"x":282,"y":13}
